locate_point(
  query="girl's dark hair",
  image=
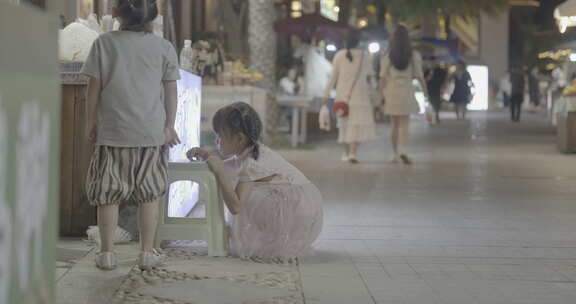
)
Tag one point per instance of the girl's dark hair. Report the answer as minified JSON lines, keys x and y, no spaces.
{"x":137,"y":15}
{"x":352,"y":41}
{"x":240,"y":117}
{"x":400,"y":48}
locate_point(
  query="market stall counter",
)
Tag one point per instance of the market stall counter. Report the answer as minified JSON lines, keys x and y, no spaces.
{"x":75,"y":151}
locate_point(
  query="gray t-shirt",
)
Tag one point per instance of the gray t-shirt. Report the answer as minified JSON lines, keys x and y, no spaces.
{"x":131,"y":67}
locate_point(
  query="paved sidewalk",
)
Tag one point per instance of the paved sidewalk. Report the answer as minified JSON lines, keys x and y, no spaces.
{"x":486,"y":215}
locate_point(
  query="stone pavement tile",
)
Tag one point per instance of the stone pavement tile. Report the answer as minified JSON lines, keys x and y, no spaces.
{"x":431,"y":271}
{"x":60,"y":272}
{"x":489,"y":271}
{"x":221,"y":267}
{"x":217,"y":291}
{"x":397,"y":271}
{"x":391,"y":260}
{"x":340,"y":289}
{"x":432,"y":260}
{"x":534,"y":273}
{"x":70,"y":254}
{"x":73,"y":243}
{"x":458,"y":271}
{"x":85,"y":284}
{"x":365,"y":260}
{"x":568,"y":271}
{"x":328,"y":279}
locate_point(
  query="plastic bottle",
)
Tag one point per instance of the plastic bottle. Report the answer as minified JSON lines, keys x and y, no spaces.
{"x":186,"y":56}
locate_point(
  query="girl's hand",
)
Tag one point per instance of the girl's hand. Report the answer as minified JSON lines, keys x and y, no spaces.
{"x":92,"y":132}
{"x":324,"y":101}
{"x":198,"y":153}
{"x":171,"y":138}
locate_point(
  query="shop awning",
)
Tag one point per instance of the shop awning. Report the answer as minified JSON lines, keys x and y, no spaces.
{"x":313,"y":26}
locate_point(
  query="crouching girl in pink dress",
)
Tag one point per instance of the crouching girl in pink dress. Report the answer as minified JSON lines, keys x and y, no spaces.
{"x":277,"y":211}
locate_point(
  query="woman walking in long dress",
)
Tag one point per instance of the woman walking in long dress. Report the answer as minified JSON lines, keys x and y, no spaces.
{"x":399,"y":68}
{"x":351,"y":68}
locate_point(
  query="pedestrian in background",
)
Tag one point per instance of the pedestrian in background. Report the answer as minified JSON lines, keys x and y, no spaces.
{"x":462,"y":94}
{"x":398,"y":69}
{"x":351,"y":68}
{"x":436,"y":80}
{"x":518,"y":81}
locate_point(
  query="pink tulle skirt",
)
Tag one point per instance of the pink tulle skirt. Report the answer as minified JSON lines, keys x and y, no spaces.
{"x":279,"y":220}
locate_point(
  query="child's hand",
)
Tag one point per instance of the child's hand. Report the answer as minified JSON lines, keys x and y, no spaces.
{"x":92,"y":132}
{"x":171,"y":138}
{"x":198,"y":153}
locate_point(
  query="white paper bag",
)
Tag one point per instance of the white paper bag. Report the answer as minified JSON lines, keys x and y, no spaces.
{"x":324,"y":118}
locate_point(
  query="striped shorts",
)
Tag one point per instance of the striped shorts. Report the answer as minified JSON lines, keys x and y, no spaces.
{"x":117,"y":175}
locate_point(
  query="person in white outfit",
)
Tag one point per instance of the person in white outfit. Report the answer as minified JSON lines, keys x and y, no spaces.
{"x":351,"y":68}
{"x":398,"y":69}
{"x":505,"y":89}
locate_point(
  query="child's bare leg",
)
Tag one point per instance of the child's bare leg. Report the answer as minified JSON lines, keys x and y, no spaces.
{"x":147,"y":222}
{"x":107,"y":223}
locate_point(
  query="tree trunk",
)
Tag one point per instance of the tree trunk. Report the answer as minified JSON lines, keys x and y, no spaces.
{"x":381,"y":12}
{"x":233,"y":18}
{"x":262,"y":42}
{"x":169,"y":26}
{"x":447,"y":24}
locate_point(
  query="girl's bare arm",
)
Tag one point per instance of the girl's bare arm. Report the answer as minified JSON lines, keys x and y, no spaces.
{"x":231,"y":193}
{"x":93,"y":97}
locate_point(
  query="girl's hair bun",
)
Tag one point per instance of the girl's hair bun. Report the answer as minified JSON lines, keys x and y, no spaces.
{"x":137,"y":15}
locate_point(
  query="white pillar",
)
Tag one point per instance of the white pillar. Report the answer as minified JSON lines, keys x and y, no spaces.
{"x":494,"y":43}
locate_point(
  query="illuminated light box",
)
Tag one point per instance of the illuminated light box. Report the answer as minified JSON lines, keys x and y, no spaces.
{"x":479,"y":74}
{"x":480,"y":78}
{"x":184,"y":195}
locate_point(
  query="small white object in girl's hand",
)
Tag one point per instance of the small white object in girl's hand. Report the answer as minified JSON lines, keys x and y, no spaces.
{"x":324,"y":118}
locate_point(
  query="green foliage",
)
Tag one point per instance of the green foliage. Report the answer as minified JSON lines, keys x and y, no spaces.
{"x":418,"y":10}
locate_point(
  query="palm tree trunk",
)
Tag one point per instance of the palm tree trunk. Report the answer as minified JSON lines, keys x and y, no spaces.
{"x":169,"y":26}
{"x":447,"y":24}
{"x":262,"y":41}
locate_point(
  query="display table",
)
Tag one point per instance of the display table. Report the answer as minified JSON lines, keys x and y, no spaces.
{"x":299,"y":106}
{"x":565,"y":110}
{"x":215,"y":97}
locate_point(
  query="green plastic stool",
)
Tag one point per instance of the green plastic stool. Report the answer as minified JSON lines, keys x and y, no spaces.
{"x":212,"y":228}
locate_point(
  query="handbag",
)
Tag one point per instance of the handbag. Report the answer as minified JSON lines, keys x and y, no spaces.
{"x":341,"y":107}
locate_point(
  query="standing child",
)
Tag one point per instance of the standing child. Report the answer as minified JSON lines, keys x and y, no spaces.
{"x":130,"y":72}
{"x":277,"y":210}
